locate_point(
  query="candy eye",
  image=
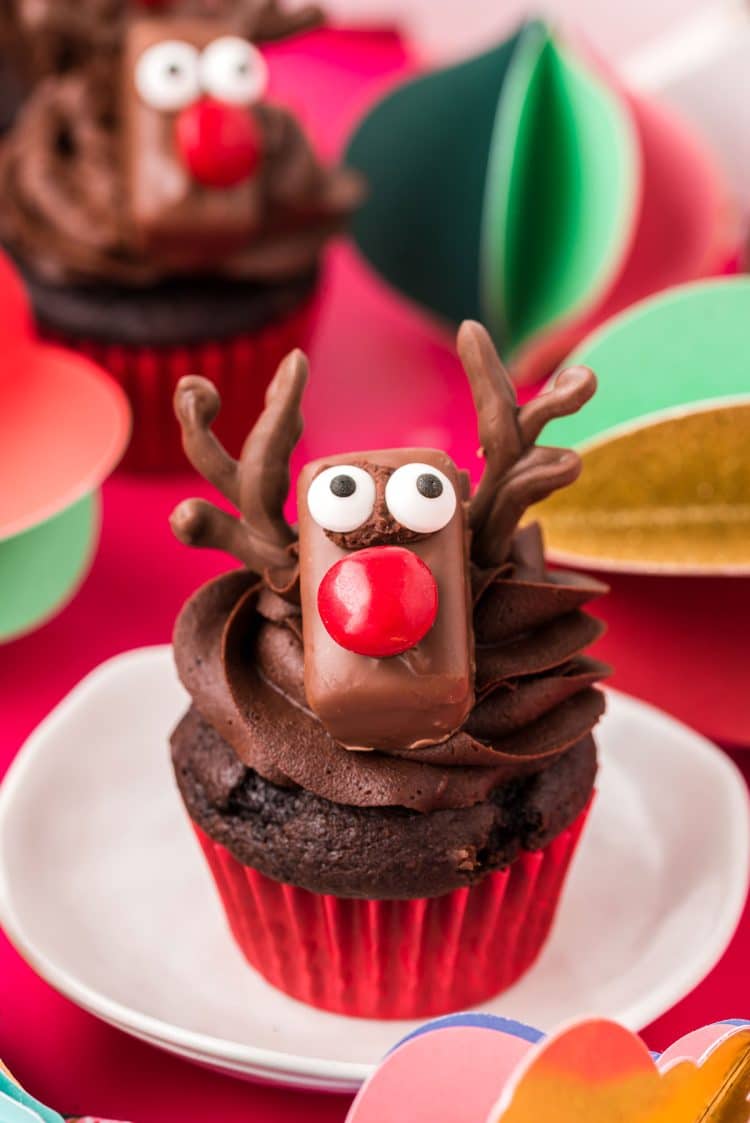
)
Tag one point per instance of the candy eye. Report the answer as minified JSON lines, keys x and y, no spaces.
{"x":232,"y":70}
{"x":166,"y":75}
{"x":421,"y":498}
{"x":341,"y":498}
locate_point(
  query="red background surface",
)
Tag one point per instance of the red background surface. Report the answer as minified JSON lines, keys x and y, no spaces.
{"x":381,"y":377}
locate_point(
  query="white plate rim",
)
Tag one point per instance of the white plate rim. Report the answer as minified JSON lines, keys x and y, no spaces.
{"x":344,"y":1076}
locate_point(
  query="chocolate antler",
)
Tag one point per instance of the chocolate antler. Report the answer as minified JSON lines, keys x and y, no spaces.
{"x":257,"y":484}
{"x":517,"y":473}
{"x":271,"y":21}
{"x":62,"y":35}
{"x":56,"y":37}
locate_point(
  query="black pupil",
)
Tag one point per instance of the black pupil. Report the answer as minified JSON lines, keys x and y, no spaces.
{"x":343,"y":486}
{"x":174,"y":70}
{"x":242,"y":68}
{"x":429,"y":486}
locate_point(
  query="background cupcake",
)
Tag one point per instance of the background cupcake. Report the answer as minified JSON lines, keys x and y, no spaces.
{"x":11,"y":81}
{"x":389,"y":755}
{"x":171,"y":220}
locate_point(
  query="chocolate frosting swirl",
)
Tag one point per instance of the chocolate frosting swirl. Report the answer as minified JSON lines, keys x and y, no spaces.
{"x":65,"y":209}
{"x":238,"y":649}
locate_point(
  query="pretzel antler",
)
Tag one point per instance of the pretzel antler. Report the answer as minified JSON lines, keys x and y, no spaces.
{"x":517,"y":473}
{"x":256,"y":485}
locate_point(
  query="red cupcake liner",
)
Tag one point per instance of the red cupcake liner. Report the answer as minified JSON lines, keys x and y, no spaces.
{"x":240,"y":367}
{"x":395,"y":959}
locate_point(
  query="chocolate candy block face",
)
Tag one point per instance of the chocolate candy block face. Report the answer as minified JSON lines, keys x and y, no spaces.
{"x":193,"y":144}
{"x":386,"y":607}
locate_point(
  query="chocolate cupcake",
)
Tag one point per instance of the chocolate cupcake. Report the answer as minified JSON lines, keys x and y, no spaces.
{"x":169,"y":220}
{"x":388,"y":758}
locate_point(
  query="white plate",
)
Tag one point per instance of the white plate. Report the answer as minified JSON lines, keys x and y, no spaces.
{"x":103,"y":889}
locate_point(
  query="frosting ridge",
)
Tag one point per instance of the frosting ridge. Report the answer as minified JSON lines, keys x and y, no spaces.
{"x":239,"y":653}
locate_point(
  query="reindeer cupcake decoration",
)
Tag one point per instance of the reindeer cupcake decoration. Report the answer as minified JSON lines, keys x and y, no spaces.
{"x":390,"y":703}
{"x":211,"y":167}
{"x":382,"y":560}
{"x":167,"y":214}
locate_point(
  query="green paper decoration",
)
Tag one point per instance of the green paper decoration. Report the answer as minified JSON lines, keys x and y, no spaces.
{"x":15,"y":1103}
{"x":41,"y":568}
{"x":560,"y":200}
{"x":424,"y":151}
{"x":502,"y":189}
{"x":686,"y":346}
{"x":665,"y":485}
{"x":13,"y":1111}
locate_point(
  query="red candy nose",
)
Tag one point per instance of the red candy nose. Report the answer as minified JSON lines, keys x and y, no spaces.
{"x":378,"y":602}
{"x":221,"y":145}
